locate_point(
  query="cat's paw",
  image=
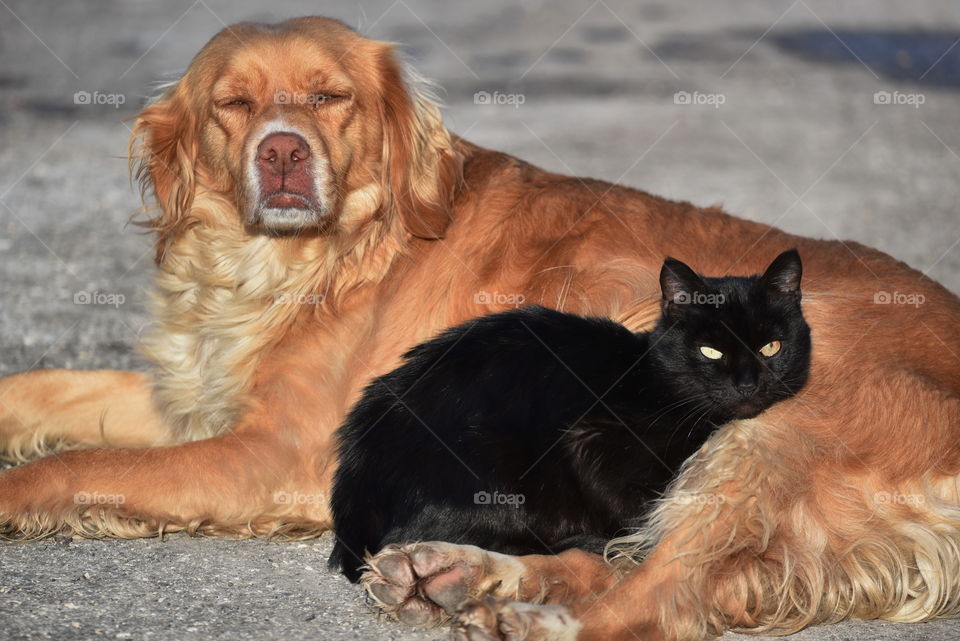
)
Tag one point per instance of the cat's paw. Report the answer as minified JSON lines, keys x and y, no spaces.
{"x":423,"y":584}
{"x":499,"y":619}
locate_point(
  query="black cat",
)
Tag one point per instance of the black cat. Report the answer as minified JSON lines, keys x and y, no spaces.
{"x":534,"y":431}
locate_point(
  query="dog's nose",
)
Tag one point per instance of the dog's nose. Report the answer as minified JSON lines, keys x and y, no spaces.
{"x":283,"y":153}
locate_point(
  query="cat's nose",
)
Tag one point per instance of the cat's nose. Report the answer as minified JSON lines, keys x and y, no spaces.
{"x":746,"y":382}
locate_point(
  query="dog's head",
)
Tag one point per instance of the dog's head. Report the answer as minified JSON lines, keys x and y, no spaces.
{"x":302,"y":125}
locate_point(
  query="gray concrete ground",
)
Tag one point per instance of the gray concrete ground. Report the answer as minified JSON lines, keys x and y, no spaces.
{"x":784,"y":126}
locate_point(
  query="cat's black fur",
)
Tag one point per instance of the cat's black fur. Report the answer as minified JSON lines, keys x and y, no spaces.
{"x":575,"y":423}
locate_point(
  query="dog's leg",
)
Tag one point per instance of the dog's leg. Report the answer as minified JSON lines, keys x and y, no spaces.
{"x":42,"y":411}
{"x":228,"y":484}
{"x":424,"y":583}
{"x":711,"y":515}
{"x":768,"y":537}
{"x":626,"y":612}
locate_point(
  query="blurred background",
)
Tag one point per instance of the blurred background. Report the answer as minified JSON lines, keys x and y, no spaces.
{"x":830,"y":119}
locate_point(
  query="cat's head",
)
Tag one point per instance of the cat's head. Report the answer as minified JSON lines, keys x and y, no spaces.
{"x":738,"y":343}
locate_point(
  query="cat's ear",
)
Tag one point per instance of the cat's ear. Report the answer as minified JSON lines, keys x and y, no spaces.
{"x":679,"y":284}
{"x":784,"y":273}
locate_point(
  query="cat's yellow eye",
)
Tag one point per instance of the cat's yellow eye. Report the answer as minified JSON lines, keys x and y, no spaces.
{"x":709,"y":352}
{"x":770,"y":348}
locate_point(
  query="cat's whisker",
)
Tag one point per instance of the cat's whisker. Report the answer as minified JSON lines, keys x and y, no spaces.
{"x":706,"y":409}
{"x":705,"y":413}
{"x":676,"y":405}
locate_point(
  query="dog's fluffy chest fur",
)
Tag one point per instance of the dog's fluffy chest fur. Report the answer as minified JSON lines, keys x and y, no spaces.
{"x":222,"y":302}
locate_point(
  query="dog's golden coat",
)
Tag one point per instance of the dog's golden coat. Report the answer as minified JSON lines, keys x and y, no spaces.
{"x":262,"y":341}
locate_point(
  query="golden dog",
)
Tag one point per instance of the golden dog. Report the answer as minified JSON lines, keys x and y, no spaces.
{"x":316,"y":219}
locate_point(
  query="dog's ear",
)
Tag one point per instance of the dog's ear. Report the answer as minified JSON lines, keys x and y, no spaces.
{"x":163,"y":158}
{"x":421,"y":169}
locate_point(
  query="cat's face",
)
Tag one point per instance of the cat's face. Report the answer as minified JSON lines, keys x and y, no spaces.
{"x":738,"y":343}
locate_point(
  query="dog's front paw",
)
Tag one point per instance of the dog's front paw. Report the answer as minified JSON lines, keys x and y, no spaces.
{"x":500,"y":619}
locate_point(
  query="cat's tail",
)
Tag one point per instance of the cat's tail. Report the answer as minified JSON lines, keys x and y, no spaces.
{"x":358,"y":513}
{"x":354,"y":526}
{"x":343,"y":559}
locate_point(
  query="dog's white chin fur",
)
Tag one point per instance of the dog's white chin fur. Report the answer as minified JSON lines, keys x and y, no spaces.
{"x":286,"y":218}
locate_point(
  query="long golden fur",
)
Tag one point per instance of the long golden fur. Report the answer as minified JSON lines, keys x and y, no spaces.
{"x":841,"y":502}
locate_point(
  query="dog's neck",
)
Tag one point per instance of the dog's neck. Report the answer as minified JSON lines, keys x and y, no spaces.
{"x":224,"y":296}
